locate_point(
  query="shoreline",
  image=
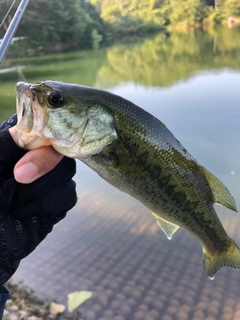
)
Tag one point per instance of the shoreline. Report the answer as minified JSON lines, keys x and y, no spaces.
{"x":24,"y":304}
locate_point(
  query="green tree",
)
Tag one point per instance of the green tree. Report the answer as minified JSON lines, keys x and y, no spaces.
{"x":186,"y":12}
{"x":232,"y":7}
{"x":59,"y":22}
{"x":4,"y":7}
{"x":55,"y":21}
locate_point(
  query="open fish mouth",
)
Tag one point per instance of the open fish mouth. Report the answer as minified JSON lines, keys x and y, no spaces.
{"x":24,"y":100}
{"x":29,"y":115}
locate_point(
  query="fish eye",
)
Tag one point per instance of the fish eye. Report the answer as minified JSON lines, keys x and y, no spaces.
{"x":55,"y":98}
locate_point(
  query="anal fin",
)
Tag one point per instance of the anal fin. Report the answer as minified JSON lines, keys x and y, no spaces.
{"x":167,"y":227}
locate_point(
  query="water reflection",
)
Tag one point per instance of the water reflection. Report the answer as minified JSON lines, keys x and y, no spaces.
{"x":109,"y":243}
{"x":158,"y":62}
{"x":167,"y":59}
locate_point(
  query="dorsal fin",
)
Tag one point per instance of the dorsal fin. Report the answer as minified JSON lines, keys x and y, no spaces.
{"x":167,"y":227}
{"x":220,"y":193}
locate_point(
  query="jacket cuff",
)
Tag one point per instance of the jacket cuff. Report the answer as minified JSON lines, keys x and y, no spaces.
{"x":9,"y":150}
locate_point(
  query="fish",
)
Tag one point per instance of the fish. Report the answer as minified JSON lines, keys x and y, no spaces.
{"x":136,"y":153}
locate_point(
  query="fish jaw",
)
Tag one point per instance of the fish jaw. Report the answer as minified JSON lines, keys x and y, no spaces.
{"x":31,"y":118}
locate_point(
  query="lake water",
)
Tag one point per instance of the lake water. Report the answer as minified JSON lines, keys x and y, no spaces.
{"x":109,"y":243}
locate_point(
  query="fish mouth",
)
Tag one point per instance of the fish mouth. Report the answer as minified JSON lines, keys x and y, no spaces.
{"x":27,"y":114}
{"x":24,"y":107}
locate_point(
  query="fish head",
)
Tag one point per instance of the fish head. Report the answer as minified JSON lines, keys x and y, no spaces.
{"x":59,"y":114}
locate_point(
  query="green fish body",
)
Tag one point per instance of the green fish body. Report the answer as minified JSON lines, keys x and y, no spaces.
{"x":136,"y":153}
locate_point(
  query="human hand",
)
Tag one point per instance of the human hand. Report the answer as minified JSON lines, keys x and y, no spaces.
{"x":28,"y":211}
{"x":35,"y":163}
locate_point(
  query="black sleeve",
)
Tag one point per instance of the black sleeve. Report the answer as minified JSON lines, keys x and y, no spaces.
{"x":10,"y":153}
{"x":28,"y":212}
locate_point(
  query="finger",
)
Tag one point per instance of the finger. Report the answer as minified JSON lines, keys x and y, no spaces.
{"x":36,"y":163}
{"x":14,"y":133}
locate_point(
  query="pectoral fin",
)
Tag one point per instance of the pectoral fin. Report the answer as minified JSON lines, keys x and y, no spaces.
{"x":167,"y":227}
{"x":220,"y":193}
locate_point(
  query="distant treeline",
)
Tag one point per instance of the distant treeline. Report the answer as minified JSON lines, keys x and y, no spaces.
{"x":55,"y":25}
{"x":158,"y":61}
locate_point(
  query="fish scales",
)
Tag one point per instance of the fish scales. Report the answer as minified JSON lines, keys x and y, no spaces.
{"x":145,"y":175}
{"x":135,"y":152}
{"x":151,"y":149}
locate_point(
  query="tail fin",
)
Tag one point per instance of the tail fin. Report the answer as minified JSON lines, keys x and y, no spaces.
{"x":228,"y":258}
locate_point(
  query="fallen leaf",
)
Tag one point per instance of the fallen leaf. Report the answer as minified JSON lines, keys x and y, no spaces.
{"x":75,"y":299}
{"x":56,"y":308}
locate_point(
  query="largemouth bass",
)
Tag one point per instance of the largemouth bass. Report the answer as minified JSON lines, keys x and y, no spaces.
{"x":136,"y":153}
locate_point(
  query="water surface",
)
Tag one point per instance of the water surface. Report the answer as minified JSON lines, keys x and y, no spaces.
{"x":109,"y":243}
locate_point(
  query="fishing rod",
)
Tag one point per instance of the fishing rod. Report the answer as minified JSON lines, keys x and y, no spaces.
{"x":12,"y":28}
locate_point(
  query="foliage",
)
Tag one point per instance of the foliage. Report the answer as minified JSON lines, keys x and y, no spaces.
{"x":186,"y":12}
{"x":163,"y":12}
{"x":4,"y":7}
{"x":213,"y":16}
{"x":231,"y":7}
{"x":128,"y":26}
{"x":56,"y":22}
{"x":59,"y":25}
{"x":96,"y":38}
